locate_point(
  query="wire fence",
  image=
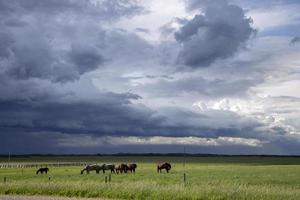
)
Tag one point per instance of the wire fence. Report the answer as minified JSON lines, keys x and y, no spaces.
{"x":37,"y":165}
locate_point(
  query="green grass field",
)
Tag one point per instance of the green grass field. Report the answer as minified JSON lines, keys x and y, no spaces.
{"x":207,"y":178}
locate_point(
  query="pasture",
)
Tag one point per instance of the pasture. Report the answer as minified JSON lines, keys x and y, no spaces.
{"x":206,"y":178}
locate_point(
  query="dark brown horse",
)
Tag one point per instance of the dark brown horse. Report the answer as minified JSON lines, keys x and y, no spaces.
{"x":42,"y":170}
{"x":122,"y":168}
{"x":166,"y":166}
{"x":132,"y":167}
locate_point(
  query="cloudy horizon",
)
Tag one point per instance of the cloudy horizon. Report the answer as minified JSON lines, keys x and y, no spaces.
{"x":137,"y":76}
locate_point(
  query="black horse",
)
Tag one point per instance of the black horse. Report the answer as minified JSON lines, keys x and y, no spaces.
{"x":42,"y":170}
{"x":132,"y":167}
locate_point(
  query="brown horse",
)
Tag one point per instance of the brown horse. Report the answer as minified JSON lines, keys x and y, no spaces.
{"x":42,"y":170}
{"x":122,"y":168}
{"x":93,"y":167}
{"x":132,"y":167}
{"x":166,"y":166}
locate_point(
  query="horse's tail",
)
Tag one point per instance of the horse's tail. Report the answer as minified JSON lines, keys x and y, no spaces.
{"x":157,"y":168}
{"x":37,"y":172}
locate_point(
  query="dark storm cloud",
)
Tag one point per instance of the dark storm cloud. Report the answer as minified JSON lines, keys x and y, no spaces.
{"x":85,"y":58}
{"x":49,"y":49}
{"x":103,"y":9}
{"x":58,"y":40}
{"x":216,"y":34}
{"x":114,"y":114}
{"x":19,"y":141}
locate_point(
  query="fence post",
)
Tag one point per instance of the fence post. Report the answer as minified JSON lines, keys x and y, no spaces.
{"x":105,"y":179}
{"x":4,"y":179}
{"x":109,"y":178}
{"x":184,"y":177}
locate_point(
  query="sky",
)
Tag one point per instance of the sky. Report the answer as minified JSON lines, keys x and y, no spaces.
{"x":150,"y":76}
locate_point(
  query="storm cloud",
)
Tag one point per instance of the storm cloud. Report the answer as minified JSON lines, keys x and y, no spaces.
{"x":218,"y":33}
{"x":101,"y":77}
{"x":57,"y":40}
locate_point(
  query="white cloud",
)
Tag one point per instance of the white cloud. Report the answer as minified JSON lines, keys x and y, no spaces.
{"x":274,"y":112}
{"x":275,"y":16}
{"x":89,"y":141}
{"x":159,"y":14}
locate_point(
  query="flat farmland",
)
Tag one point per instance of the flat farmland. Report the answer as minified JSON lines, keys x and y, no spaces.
{"x":238,"y":177}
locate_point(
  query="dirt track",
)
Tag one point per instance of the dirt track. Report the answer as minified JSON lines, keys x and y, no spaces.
{"x":42,"y":198}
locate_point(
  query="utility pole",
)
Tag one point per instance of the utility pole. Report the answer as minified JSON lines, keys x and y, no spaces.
{"x":184,"y":160}
{"x":9,"y":158}
{"x":184,"y":156}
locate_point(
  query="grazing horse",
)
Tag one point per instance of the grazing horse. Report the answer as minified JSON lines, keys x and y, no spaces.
{"x":110,"y":167}
{"x":132,"y":167}
{"x":166,"y":166}
{"x":122,"y":168}
{"x":93,"y":167}
{"x":42,"y":170}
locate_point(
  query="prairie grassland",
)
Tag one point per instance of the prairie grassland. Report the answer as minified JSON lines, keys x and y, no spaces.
{"x":207,"y":178}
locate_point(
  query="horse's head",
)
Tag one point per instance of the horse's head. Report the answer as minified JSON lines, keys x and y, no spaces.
{"x":133,"y":165}
{"x":168,"y":166}
{"x":81,"y":172}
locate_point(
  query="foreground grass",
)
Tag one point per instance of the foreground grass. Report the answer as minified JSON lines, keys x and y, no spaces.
{"x":204,"y":181}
